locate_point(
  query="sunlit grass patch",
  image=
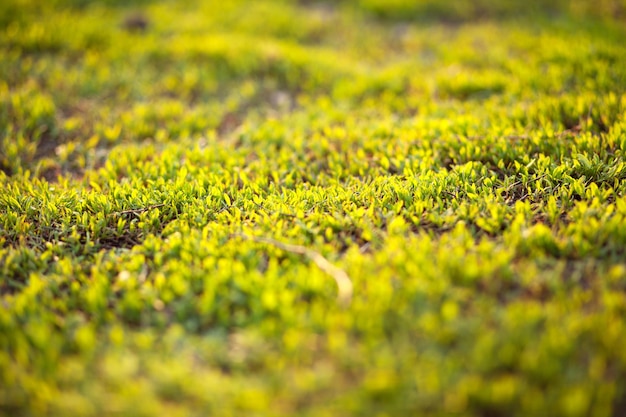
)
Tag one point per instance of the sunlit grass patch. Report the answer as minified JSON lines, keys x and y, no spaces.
{"x":312,"y":208}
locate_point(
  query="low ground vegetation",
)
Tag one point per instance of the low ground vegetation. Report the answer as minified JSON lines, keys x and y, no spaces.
{"x":283,"y":208}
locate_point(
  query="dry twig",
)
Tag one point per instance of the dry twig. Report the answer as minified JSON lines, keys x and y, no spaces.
{"x":138,"y":211}
{"x":344,"y":284}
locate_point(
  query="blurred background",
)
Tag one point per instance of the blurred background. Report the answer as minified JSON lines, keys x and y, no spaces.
{"x":164,"y":70}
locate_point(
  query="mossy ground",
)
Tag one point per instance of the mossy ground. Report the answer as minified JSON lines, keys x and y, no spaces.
{"x":464,"y":165}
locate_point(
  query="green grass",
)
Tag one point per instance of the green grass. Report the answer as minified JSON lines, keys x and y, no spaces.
{"x":184,"y":184}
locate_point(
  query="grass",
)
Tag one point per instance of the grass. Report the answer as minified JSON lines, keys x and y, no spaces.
{"x":281,"y":208}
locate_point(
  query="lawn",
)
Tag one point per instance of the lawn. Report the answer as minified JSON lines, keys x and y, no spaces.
{"x":313,"y":208}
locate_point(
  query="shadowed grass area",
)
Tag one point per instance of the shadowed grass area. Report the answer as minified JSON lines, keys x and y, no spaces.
{"x":308,"y":208}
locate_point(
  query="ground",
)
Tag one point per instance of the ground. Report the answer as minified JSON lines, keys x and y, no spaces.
{"x":301,"y":208}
